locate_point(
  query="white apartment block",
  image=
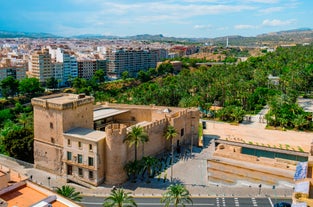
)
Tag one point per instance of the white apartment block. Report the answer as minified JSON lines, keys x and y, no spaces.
{"x":69,"y":65}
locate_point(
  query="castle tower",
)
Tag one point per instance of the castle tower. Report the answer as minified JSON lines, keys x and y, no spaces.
{"x":116,"y":154}
{"x":54,"y":115}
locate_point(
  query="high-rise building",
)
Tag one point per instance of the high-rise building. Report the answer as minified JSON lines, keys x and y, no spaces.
{"x":70,"y":67}
{"x":40,"y":65}
{"x":88,"y":67}
{"x":17,"y":72}
{"x":130,"y":60}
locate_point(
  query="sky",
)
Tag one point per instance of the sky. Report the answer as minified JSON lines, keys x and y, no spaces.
{"x":175,"y":18}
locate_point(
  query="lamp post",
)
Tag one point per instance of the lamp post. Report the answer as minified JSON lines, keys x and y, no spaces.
{"x":172,"y":160}
{"x":260,"y":186}
{"x":274,"y":188}
{"x":191,"y":140}
{"x":49,"y":181}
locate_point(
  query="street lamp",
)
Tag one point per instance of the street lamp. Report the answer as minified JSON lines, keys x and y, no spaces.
{"x":49,"y":181}
{"x":172,"y":160}
{"x":260,"y":186}
{"x":191,"y":140}
{"x":274,"y":188}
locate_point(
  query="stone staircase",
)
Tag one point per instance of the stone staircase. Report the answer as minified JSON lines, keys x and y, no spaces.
{"x":229,"y":171}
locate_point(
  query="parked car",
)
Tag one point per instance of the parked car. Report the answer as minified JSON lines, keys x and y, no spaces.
{"x":282,"y":204}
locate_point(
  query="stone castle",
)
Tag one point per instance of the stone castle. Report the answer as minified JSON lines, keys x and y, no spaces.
{"x":83,"y":142}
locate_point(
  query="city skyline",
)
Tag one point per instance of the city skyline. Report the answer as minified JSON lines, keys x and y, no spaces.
{"x":185,"y":18}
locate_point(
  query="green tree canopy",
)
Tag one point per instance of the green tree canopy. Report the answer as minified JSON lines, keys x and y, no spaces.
{"x":69,"y":192}
{"x":9,"y":86}
{"x":119,"y":198}
{"x":136,"y":136}
{"x":19,"y":144}
{"x":30,"y":87}
{"x":52,"y":83}
{"x":176,"y":195}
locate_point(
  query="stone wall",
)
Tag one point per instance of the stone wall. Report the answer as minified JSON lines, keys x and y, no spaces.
{"x":115,"y":154}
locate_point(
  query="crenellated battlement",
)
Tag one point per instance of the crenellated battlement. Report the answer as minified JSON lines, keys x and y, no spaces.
{"x":116,"y":129}
{"x":155,"y":124}
{"x":62,"y":101}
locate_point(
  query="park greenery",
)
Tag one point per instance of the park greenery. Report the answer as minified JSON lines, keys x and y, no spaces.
{"x":239,"y":89}
{"x":276,"y":79}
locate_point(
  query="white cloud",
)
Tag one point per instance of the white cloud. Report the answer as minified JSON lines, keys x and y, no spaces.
{"x":202,"y":26}
{"x":271,"y":10}
{"x":277,"y":22}
{"x":245,"y":26}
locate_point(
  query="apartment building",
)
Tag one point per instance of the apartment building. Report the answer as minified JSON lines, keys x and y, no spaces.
{"x":84,"y":143}
{"x":69,"y":69}
{"x":88,"y":67}
{"x":17,"y":72}
{"x":40,"y":65}
{"x":131,"y":60}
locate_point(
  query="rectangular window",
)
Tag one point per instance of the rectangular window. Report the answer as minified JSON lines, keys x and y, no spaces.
{"x":182,"y":132}
{"x":90,"y":161}
{"x":51,"y":125}
{"x":80,"y":172}
{"x":52,"y":140}
{"x":90,"y":174}
{"x":80,"y":158}
{"x":69,"y":142}
{"x":90,"y":147}
{"x":69,"y":155}
{"x":79,"y":145}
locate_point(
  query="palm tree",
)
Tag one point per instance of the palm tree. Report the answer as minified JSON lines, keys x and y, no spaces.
{"x":135,"y":137}
{"x":170,"y":133}
{"x":119,"y":198}
{"x":69,"y":192}
{"x":177,"y":195}
{"x":149,"y":164}
{"x":25,"y":119}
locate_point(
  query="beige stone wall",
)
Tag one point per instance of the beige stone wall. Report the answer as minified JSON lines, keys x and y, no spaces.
{"x":47,"y":157}
{"x":4,"y":179}
{"x":116,"y":154}
{"x":188,"y":122}
{"x":156,"y":144}
{"x":101,"y":164}
{"x":81,"y":116}
{"x":50,"y":122}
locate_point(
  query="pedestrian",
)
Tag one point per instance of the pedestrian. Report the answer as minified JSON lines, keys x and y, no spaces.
{"x":113,"y":188}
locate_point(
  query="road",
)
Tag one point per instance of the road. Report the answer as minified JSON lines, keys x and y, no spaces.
{"x":210,"y":202}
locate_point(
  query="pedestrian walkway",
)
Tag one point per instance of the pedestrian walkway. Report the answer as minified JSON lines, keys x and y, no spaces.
{"x":190,"y":172}
{"x":257,"y":120}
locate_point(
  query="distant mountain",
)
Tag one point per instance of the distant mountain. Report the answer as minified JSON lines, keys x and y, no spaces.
{"x":9,"y":34}
{"x":295,"y":36}
{"x":141,"y":37}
